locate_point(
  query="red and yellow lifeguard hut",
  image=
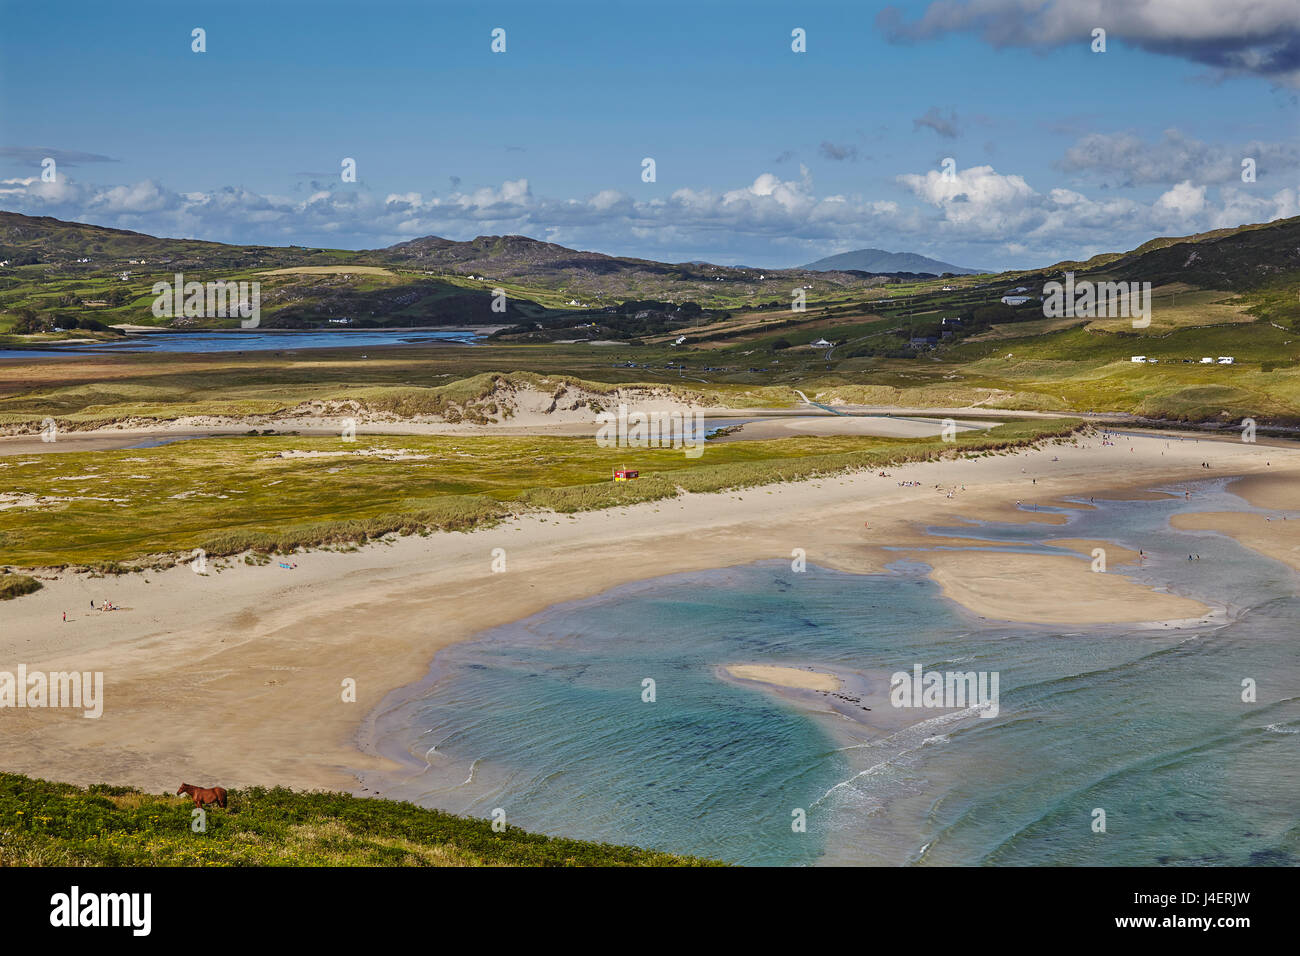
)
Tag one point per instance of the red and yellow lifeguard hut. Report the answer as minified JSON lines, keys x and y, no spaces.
{"x":625,"y":474}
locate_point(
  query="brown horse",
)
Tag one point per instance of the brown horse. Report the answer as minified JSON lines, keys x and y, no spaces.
{"x":203,"y":796}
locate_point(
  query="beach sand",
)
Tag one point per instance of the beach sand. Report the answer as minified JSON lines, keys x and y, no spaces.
{"x":861,"y":699}
{"x":785,"y":676}
{"x":1274,"y":535}
{"x":1267,"y":535}
{"x":237,"y":677}
{"x":1050,"y":589}
{"x":1270,"y":489}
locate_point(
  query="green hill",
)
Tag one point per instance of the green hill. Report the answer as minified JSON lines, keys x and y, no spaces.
{"x":56,"y":824}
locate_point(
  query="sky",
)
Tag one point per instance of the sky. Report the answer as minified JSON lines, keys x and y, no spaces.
{"x":762,"y":155}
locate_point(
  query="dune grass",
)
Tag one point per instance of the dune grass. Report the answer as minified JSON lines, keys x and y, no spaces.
{"x":56,"y":824}
{"x":275,"y":493}
{"x":16,"y":585}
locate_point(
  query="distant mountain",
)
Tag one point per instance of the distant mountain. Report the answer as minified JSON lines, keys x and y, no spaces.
{"x":878,"y":260}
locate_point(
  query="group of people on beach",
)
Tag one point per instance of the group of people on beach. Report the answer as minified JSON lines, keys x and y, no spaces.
{"x":104,"y":605}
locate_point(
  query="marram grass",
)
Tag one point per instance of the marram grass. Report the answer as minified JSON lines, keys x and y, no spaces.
{"x":273,"y":494}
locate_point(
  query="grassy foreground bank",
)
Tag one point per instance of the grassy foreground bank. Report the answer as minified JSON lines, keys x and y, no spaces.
{"x":56,"y":824}
{"x":276,"y":493}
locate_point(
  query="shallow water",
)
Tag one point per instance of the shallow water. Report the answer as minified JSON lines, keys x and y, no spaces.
{"x":251,"y":341}
{"x":545,"y":718}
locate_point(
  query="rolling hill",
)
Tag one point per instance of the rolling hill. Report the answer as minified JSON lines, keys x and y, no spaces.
{"x":46,"y":250}
{"x":74,"y":275}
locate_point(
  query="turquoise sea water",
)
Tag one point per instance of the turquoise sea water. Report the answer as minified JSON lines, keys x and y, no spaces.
{"x":544,"y":718}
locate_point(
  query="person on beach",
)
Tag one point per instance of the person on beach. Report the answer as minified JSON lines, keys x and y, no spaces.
{"x":65,"y":617}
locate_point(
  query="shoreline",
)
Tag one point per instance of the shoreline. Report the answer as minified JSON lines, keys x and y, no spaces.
{"x":235,"y":676}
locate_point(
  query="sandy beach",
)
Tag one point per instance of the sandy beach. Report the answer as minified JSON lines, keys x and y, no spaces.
{"x":238,"y":675}
{"x":786,"y":676}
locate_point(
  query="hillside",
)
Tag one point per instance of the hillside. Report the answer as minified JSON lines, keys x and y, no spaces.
{"x":56,"y":824}
{"x":878,"y":260}
{"x":1246,"y":257}
{"x":595,"y":279}
{"x":42,"y":240}
{"x":61,"y":270}
{"x":557,"y":295}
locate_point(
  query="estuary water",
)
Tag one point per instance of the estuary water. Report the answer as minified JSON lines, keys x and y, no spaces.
{"x":545,"y":718}
{"x":252,"y":341}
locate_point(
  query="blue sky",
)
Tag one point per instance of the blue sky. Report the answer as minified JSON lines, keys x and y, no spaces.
{"x":763,"y":156}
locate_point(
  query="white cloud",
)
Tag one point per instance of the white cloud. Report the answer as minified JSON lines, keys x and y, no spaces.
{"x":986,"y":212}
{"x":1183,"y":201}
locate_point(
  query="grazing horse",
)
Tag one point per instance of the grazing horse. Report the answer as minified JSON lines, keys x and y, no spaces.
{"x":204,"y":795}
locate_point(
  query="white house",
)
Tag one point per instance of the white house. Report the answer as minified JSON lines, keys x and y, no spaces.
{"x":1138,"y":358}
{"x":820,"y":344}
{"x":1015,"y":299}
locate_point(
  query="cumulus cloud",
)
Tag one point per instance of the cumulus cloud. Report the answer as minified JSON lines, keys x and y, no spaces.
{"x":990,"y":214}
{"x":980,"y":203}
{"x":1184,"y":201}
{"x":1125,"y":159}
{"x":1259,"y":37}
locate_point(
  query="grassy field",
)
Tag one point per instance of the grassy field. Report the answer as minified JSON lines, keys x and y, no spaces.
{"x":55,"y":824}
{"x":276,"y":493}
{"x":1036,"y":367}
